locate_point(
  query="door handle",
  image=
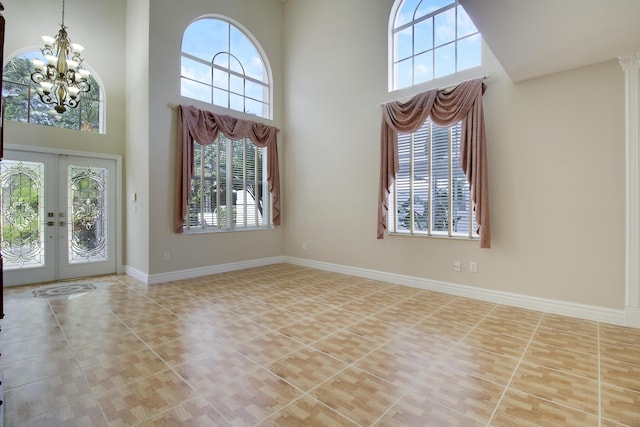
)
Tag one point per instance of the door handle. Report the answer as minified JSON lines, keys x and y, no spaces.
{"x":50,"y":223}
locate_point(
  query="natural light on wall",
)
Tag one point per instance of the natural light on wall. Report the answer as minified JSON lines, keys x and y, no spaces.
{"x":431,"y":39}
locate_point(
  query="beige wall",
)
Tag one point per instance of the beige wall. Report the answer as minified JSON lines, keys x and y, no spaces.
{"x":136,"y":158}
{"x":28,"y":20}
{"x":556,"y":158}
{"x":168,"y":20}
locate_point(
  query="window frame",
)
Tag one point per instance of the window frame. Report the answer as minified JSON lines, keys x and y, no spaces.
{"x":393,"y":30}
{"x":265,"y":199}
{"x":267,"y":85}
{"x":30,"y":54}
{"x":454,"y":131}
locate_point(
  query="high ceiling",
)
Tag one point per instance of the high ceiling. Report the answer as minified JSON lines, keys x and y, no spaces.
{"x":532,"y":38}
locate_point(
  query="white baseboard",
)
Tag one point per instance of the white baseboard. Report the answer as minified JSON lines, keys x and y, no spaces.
{"x":627,"y":317}
{"x":152,"y":279}
{"x":632,"y":316}
{"x":582,"y":311}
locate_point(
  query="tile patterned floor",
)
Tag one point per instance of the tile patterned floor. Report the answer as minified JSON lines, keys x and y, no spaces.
{"x":284,"y":345}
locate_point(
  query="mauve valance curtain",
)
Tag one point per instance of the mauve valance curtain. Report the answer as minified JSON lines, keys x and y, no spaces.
{"x":204,"y":127}
{"x":445,"y":107}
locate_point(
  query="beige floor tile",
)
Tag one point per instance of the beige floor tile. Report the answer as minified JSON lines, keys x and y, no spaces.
{"x":373,"y":329}
{"x":268,"y":347}
{"x":503,"y":345}
{"x":197,"y":412}
{"x":79,"y":413}
{"x":307,"y":411}
{"x":250,"y":396}
{"x":507,"y":327}
{"x":562,"y":388}
{"x":346,"y":346}
{"x":107,"y":348}
{"x":620,"y":351}
{"x":570,"y":324}
{"x":338,"y":317}
{"x":453,"y":314}
{"x":122,"y":369}
{"x":516,"y":314}
{"x":523,"y":410}
{"x":399,"y":316}
{"x":36,"y":398}
{"x":417,"y":411}
{"x":621,"y":405}
{"x":308,"y":307}
{"x":568,"y":340}
{"x":290,"y":345}
{"x":395,"y":365}
{"x":470,"y":396}
{"x":563,"y":359}
{"x":307,"y":330}
{"x":358,"y":395}
{"x":37,"y":368}
{"x":306,"y":368}
{"x":620,"y":334}
{"x":621,"y":374}
{"x":144,"y":398}
{"x":480,"y":363}
{"x":277,"y":318}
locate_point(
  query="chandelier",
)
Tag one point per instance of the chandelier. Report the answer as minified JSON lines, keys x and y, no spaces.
{"x":61,"y":78}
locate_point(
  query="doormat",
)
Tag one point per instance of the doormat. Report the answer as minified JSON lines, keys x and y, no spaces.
{"x":66,"y":290}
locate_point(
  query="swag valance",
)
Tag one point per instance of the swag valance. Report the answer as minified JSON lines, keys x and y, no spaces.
{"x":204,"y":127}
{"x":445,"y":107}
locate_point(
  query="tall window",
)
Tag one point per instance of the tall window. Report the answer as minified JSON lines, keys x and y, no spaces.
{"x":431,"y":39}
{"x":22,"y":103}
{"x":431,"y":194}
{"x":222,"y":66}
{"x":229,"y":187}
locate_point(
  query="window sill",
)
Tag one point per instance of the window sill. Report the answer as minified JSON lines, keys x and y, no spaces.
{"x":435,"y":236}
{"x":211,"y":230}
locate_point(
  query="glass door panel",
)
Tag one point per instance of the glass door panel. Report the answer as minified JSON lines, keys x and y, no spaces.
{"x":58,"y":216}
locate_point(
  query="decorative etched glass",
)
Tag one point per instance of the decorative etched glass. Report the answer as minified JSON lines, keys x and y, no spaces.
{"x":22,"y":214}
{"x":87,"y":207}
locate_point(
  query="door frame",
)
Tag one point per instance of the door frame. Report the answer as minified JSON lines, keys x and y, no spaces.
{"x":118,"y":200}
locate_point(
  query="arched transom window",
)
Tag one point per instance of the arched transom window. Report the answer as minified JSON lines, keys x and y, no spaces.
{"x":431,"y":39}
{"x":22,"y":103}
{"x":222,"y":66}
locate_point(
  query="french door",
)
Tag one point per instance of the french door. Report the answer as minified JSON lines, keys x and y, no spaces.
{"x":58,"y":216}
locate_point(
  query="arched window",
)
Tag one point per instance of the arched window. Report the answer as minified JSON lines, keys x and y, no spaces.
{"x":430,"y":39}
{"x":222,"y":66}
{"x":22,"y":103}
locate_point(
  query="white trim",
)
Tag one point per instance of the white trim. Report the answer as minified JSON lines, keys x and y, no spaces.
{"x":582,"y":311}
{"x":630,"y":64}
{"x":202,"y":271}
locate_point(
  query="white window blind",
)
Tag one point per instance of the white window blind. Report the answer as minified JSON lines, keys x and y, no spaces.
{"x":431,"y":194}
{"x":229,"y":188}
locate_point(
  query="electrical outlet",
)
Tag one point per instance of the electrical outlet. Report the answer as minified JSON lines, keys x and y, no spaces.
{"x":304,"y":246}
{"x":165,"y":256}
{"x":473,"y":267}
{"x":457,"y":266}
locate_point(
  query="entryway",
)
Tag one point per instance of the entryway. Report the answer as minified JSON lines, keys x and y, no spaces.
{"x":58,"y":216}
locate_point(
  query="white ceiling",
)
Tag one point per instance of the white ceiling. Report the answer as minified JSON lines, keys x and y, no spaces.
{"x":532,"y":38}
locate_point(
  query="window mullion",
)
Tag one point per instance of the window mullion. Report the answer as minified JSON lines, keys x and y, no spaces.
{"x":201,"y":189}
{"x":244,"y":181}
{"x":412,"y":219}
{"x":450,"y":195}
{"x":430,"y":176}
{"x":217,"y":148}
{"x":229,"y":183}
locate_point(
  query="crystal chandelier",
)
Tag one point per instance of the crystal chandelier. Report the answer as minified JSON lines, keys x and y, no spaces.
{"x":61,"y":78}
